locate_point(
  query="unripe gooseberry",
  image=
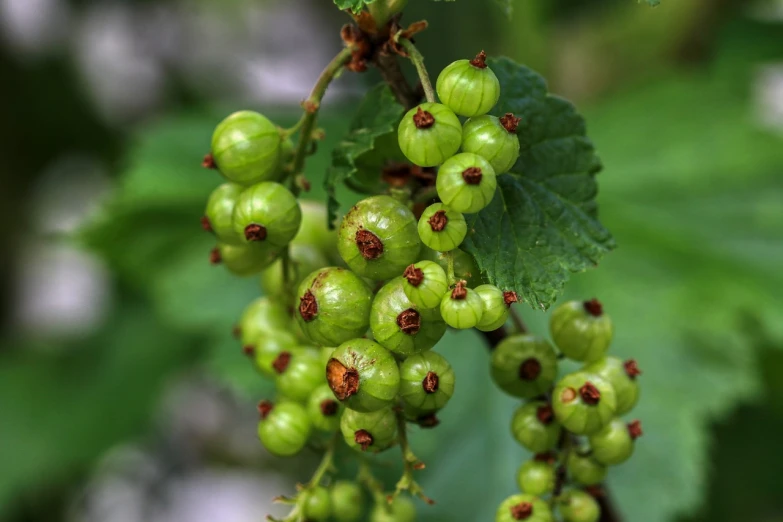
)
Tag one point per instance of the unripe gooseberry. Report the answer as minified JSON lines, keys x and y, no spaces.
{"x":371,"y":431}
{"x":324,"y":409}
{"x":534,"y":426}
{"x":243,"y":260}
{"x":363,"y":375}
{"x":425,"y":283}
{"x":299,"y":371}
{"x":581,"y":330}
{"x":584,"y":469}
{"x":494,"y":139}
{"x":316,"y":504}
{"x":429,"y":134}
{"x":496,"y":304}
{"x":524,"y":365}
{"x":246,"y":147}
{"x":578,"y":506}
{"x":441,"y":228}
{"x":401,"y":509}
{"x":466,"y":182}
{"x":614,"y":443}
{"x":468,"y":87}
{"x":284,"y":427}
{"x":622,"y":376}
{"x":218,"y":216}
{"x":426,"y":381}
{"x":583,"y":403}
{"x":537,"y":476}
{"x":267,"y":212}
{"x":523,"y":507}
{"x":347,"y":501}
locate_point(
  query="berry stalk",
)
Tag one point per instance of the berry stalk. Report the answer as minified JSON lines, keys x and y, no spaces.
{"x":410,"y":463}
{"x":418,"y":61}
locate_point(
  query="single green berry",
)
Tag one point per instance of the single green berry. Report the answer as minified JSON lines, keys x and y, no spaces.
{"x":462,"y":307}
{"x":304,"y":259}
{"x":268,"y":347}
{"x":465,"y":266}
{"x":584,"y":469}
{"x":324,"y":410}
{"x":378,"y":238}
{"x":334,"y":306}
{"x":523,"y":507}
{"x":347,"y":501}
{"x":260,"y":317}
{"x":243,"y":260}
{"x":372,"y":431}
{"x":401,"y":509}
{"x":315,"y":230}
{"x":400,"y":326}
{"x":578,"y":506}
{"x":614,"y":443}
{"x":425,"y":283}
{"x":316,"y":505}
{"x":581,"y":330}
{"x":429,"y":134}
{"x":299,"y":372}
{"x":494,"y":139}
{"x":426,"y":381}
{"x":218,"y":216}
{"x":537,"y":476}
{"x":423,"y":418}
{"x":534,"y":426}
{"x":496,"y":303}
{"x":622,"y":376}
{"x":363,"y":375}
{"x":441,"y":228}
{"x":466,"y":182}
{"x":468,"y":87}
{"x":524,"y":365}
{"x":284,"y":427}
{"x":246,"y":147}
{"x":584,"y":403}
{"x":267,"y":212}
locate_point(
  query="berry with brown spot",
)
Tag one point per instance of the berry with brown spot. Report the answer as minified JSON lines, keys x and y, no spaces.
{"x":369,"y":431}
{"x":524,"y":366}
{"x":426,"y":381}
{"x":267,"y":213}
{"x":581,"y":330}
{"x":584,"y":402}
{"x":622,"y":375}
{"x":363,"y":375}
{"x":468,"y":87}
{"x":535,"y":428}
{"x":441,"y":228}
{"x":429,"y":134}
{"x":324,"y":409}
{"x":466,"y":182}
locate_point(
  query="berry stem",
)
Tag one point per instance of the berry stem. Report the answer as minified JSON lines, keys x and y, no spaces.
{"x":410,"y":463}
{"x":418,"y":61}
{"x":516,"y":318}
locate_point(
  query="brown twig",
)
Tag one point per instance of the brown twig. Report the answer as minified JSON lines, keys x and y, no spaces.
{"x":392,"y":74}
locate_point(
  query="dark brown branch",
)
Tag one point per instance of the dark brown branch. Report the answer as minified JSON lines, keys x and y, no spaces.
{"x":391,"y":71}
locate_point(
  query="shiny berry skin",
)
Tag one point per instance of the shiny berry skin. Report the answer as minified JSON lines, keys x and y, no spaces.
{"x":267,"y":213}
{"x":495,"y":310}
{"x":371,"y":431}
{"x":622,"y":376}
{"x":489,"y":137}
{"x":534,"y":426}
{"x":581,"y":330}
{"x":441,"y":228}
{"x":583,"y":403}
{"x":400,"y":326}
{"x":304,"y":259}
{"x":324,"y":410}
{"x":401,"y":509}
{"x":614,"y":443}
{"x":243,"y":260}
{"x":347,"y":501}
{"x":378,"y":238}
{"x":468,"y":87}
{"x":523,"y":507}
{"x":524,"y":365}
{"x":429,"y":134}
{"x":465,"y":266}
{"x":299,"y":372}
{"x":268,"y":347}
{"x":363,"y":375}
{"x":585,"y":470}
{"x":536,"y":477}
{"x":220,"y":210}
{"x":334,"y":306}
{"x":425,"y":283}
{"x":259,"y":317}
{"x":578,"y":506}
{"x":284,"y":427}
{"x":466,"y":183}
{"x":316,"y":506}
{"x":426,"y":381}
{"x":246,"y":146}
{"x":462,"y":307}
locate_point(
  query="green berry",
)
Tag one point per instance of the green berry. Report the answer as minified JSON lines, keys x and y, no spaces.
{"x":218,"y":216}
{"x":583,"y":403}
{"x":578,"y":506}
{"x":534,"y":426}
{"x":316,"y":504}
{"x":304,"y":260}
{"x":334,"y":306}
{"x":424,"y":418}
{"x":347,"y":501}
{"x":426,"y":381}
{"x":496,"y":303}
{"x":378,"y":238}
{"x":622,"y":376}
{"x":468,"y":87}
{"x":494,"y":139}
{"x":258,"y":318}
{"x":462,"y":307}
{"x":537,"y":476}
{"x":465,"y":266}
{"x":243,"y":260}
{"x":585,"y":470}
{"x":581,"y":330}
{"x":363,"y":375}
{"x":372,"y":431}
{"x":268,"y":347}
{"x":429,"y":134}
{"x":442,"y":228}
{"x":466,"y":183}
{"x":524,"y":365}
{"x":246,"y":147}
{"x":400,"y":510}
{"x":299,"y":372}
{"x":523,"y":507}
{"x":400,"y":326}
{"x":268,"y":213}
{"x":614,"y":443}
{"x":425,"y":283}
{"x":284,"y":427}
{"x":324,"y":410}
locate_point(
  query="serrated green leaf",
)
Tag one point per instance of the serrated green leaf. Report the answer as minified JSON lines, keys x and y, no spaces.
{"x":354,"y":5}
{"x":370,"y":141}
{"x":541,"y":225}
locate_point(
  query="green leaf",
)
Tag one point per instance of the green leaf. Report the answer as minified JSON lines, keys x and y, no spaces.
{"x":370,"y":142}
{"x":354,"y":5}
{"x":541,"y":225}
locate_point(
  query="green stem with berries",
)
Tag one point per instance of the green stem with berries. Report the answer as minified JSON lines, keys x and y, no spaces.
{"x":418,"y":61}
{"x":410,"y":462}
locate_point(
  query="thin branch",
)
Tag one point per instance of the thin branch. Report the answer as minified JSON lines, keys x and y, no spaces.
{"x":418,"y":62}
{"x":390,"y":69}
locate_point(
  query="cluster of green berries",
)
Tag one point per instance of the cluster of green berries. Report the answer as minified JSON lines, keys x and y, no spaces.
{"x":573,"y":425}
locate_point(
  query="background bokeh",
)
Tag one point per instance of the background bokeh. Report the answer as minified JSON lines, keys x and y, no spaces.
{"x":124,"y":398}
